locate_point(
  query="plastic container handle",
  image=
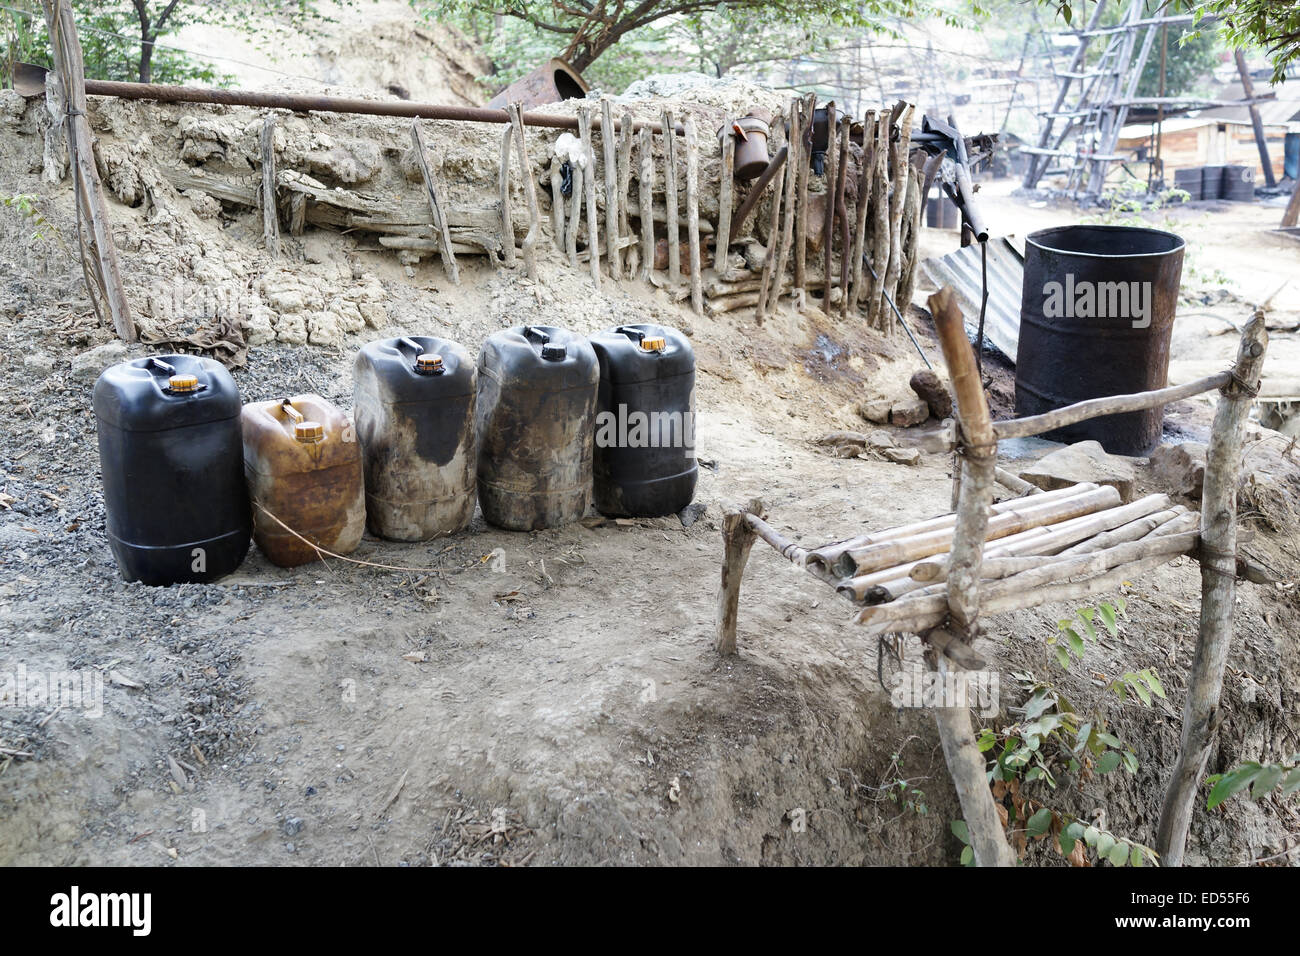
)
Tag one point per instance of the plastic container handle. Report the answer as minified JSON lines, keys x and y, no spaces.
{"x":630,"y":332}
{"x":534,"y":333}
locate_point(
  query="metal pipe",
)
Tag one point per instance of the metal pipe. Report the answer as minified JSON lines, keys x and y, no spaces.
{"x":756,"y":190}
{"x":300,"y":102}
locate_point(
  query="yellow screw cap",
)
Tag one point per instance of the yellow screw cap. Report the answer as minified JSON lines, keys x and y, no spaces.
{"x":308,"y":432}
{"x":654,"y":343}
{"x":429,"y":363}
{"x":183,"y":383}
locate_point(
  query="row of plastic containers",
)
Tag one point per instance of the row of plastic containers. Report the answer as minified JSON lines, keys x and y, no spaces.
{"x":545,"y":422}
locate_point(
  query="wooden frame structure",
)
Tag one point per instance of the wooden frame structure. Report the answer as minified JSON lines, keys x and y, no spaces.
{"x":934,"y":578}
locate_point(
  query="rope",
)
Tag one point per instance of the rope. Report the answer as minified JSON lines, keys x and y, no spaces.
{"x":321,"y":552}
{"x":1238,"y":387}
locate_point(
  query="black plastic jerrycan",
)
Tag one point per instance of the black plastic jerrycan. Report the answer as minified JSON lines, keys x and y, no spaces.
{"x":414,"y":409}
{"x":536,"y":412}
{"x":645,"y":424}
{"x":172,"y":460}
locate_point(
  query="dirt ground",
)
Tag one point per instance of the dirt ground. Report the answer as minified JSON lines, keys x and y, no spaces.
{"x":554,"y":697}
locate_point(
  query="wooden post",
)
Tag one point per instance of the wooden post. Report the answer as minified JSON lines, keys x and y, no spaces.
{"x":799,"y":157}
{"x":864,"y":202}
{"x":841,"y":183}
{"x":645,"y":191}
{"x":791,"y":185}
{"x":1261,"y":143}
{"x":879,"y":222}
{"x":503,"y":180}
{"x":435,"y":206}
{"x":693,"y":216}
{"x":672,"y":222}
{"x":1218,"y":555}
{"x":270,"y":212}
{"x":575,"y":214}
{"x":1292,"y":213}
{"x":530,"y":194}
{"x":624,"y":181}
{"x":737,"y":538}
{"x":612,"y":251}
{"x":768,"y":280}
{"x":900,"y":171}
{"x":589,"y":183}
{"x":726,"y":183}
{"x":68,"y":63}
{"x":965,"y":765}
{"x":828,"y":224}
{"x":557,"y":203}
{"x":909,"y":243}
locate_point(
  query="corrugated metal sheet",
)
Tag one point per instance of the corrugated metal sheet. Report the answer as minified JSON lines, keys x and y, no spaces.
{"x":961,"y":270}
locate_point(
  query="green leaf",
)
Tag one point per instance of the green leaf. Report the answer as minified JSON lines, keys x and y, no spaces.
{"x":1110,"y":740}
{"x":1140,"y":689}
{"x":1118,"y":854}
{"x":1130,"y":761}
{"x":1105,"y":843}
{"x":967,"y":856}
{"x":1076,"y":642}
{"x":1108,"y":618}
{"x":1292,"y":782}
{"x":1121,"y":605}
{"x":960,"y":831}
{"x":1153,"y":681}
{"x":1062,"y":657}
{"x":1108,"y":762}
{"x":1266,"y":781}
{"x":1231,"y":783}
{"x":1135,"y":856}
{"x":1039,"y":823}
{"x":1091,"y":835}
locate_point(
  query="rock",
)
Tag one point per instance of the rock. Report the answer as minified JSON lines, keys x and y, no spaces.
{"x":692,"y":513}
{"x":286,"y":299}
{"x":879,"y":440}
{"x":293,"y":826}
{"x":1180,"y":469}
{"x":374,"y":313}
{"x":87,"y":365}
{"x":204,"y":205}
{"x":1083,"y":461}
{"x":876,"y":411}
{"x":901,"y":456}
{"x":38,"y":363}
{"x":12,"y":106}
{"x":909,"y":412}
{"x":323,"y":329}
{"x":930,"y":389}
{"x":291,"y":329}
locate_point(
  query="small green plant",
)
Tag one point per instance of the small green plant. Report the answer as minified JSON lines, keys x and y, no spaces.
{"x":1261,"y":778}
{"x":1127,"y":202}
{"x":28,"y":206}
{"x":1069,"y":640}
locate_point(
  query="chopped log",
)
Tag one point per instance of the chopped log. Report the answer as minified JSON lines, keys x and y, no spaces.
{"x":589,"y":184}
{"x":624,"y":181}
{"x":1015,"y":483}
{"x":828,"y":222}
{"x":726,"y":183}
{"x":530,"y":194}
{"x":865,"y":179}
{"x":270,"y":208}
{"x":788,"y":202}
{"x":660,"y":216}
{"x":720,"y":305}
{"x":507,"y":226}
{"x":737,"y":539}
{"x":1218,"y":551}
{"x":557,"y":203}
{"x":575,"y":214}
{"x":645,"y":187}
{"x":670,"y":201}
{"x":435,"y":206}
{"x":800,"y":159}
{"x":612,"y":252}
{"x":693,"y":216}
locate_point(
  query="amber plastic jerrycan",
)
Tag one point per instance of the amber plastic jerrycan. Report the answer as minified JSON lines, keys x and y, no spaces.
{"x":303,"y":467}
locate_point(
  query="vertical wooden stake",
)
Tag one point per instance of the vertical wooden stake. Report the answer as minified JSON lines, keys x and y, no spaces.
{"x":726,"y":182}
{"x":879,"y":221}
{"x":507,"y":225}
{"x":965,"y":764}
{"x":841,"y":210}
{"x":645,"y":193}
{"x":828,"y":224}
{"x":575,"y":214}
{"x":557,"y":203}
{"x":589,"y":183}
{"x":435,"y":207}
{"x":864,"y":202}
{"x":612,"y":248}
{"x":769,"y":280}
{"x":693,"y":217}
{"x":799,"y":157}
{"x":530,"y":194}
{"x":672,"y":221}
{"x":270,"y":211}
{"x":900,"y":171}
{"x":68,"y":63}
{"x":624,"y":181}
{"x":1201,"y":713}
{"x":791,"y":185}
{"x":911,"y":238}
{"x":737,"y":539}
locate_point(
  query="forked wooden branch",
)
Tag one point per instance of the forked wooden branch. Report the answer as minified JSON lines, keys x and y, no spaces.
{"x":737,"y":539}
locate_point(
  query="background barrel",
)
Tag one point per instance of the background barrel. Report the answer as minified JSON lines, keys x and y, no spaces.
{"x":1211,"y":182}
{"x":1097,"y":313}
{"x":1189,"y":180}
{"x":1239,"y":183}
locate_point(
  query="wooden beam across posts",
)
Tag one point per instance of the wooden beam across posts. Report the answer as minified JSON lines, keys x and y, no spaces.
{"x":529,"y":249}
{"x":69,"y":64}
{"x":435,"y":206}
{"x":965,"y":763}
{"x":737,"y":539}
{"x":1218,"y":553}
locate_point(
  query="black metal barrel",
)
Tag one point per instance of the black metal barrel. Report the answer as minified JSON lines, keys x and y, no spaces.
{"x":1211,"y":182}
{"x":1239,"y":183}
{"x":1097,"y":312}
{"x":1189,"y":180}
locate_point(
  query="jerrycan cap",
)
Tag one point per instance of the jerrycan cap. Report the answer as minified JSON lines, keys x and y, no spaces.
{"x":554,"y":353}
{"x":429,"y":363}
{"x":183,"y":383}
{"x":653,"y":343}
{"x":308,"y":432}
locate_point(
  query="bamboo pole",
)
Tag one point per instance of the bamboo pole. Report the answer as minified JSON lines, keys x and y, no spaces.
{"x":607,"y":129}
{"x":800,"y":160}
{"x":503,"y":185}
{"x":624,"y":181}
{"x":589,"y":184}
{"x":693,"y":216}
{"x":670,"y":202}
{"x":557,"y":203}
{"x":435,"y":206}
{"x":965,"y":764}
{"x":737,"y":539}
{"x":864,"y":202}
{"x":270,"y":210}
{"x":530,"y":195}
{"x":726,"y":183}
{"x":900,"y":173}
{"x":1201,"y":712}
{"x":69,"y":64}
{"x":831,"y":170}
{"x":788,"y":201}
{"x":645,"y":189}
